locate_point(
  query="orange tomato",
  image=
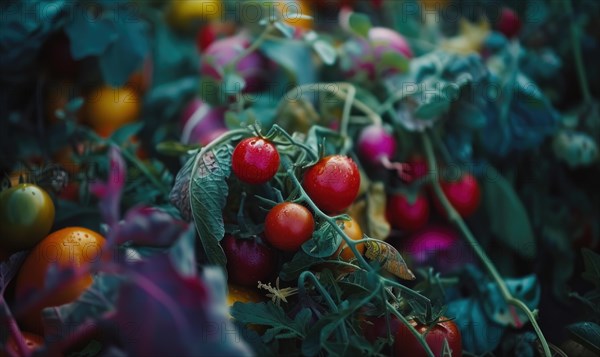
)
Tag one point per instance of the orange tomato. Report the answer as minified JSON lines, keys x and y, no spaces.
{"x":69,"y":247}
{"x":288,"y":10}
{"x":242,"y":294}
{"x":352,"y":229}
{"x":107,"y":109}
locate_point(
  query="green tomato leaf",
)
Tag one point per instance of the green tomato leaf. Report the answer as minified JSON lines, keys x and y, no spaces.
{"x":124,"y":133}
{"x":436,"y":105}
{"x":324,"y":242}
{"x":293,"y":56}
{"x":299,"y":263}
{"x":126,"y":54}
{"x":507,"y":214}
{"x":268,"y":314}
{"x":360,"y":24}
{"x":208,"y":195}
{"x":587,"y":333}
{"x":90,"y":38}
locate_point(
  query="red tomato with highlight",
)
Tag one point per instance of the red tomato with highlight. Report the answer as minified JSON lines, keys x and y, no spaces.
{"x":464,"y":195}
{"x":406,"y":344}
{"x":288,"y":225}
{"x":255,"y":160}
{"x":332,"y":183}
{"x":248,"y":261}
{"x":405,"y":215}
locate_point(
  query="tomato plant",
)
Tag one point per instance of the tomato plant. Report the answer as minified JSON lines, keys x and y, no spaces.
{"x":332,"y":183}
{"x":354,"y":232}
{"x":435,"y":335}
{"x":406,"y":215}
{"x":464,"y":194}
{"x":248,"y":261}
{"x":288,"y":225}
{"x":255,"y":160}
{"x":26,"y":216}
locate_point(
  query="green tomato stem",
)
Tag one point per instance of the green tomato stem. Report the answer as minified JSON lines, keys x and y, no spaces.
{"x":337,"y":89}
{"x":325,"y":294}
{"x":411,"y":328}
{"x":329,"y":220}
{"x":456,"y":219}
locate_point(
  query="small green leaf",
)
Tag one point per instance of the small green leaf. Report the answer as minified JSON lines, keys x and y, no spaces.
{"x":124,"y":133}
{"x":360,"y":24}
{"x":324,"y":242}
{"x":588,"y":334}
{"x":267,"y":314}
{"x":436,"y":105}
{"x":394,"y":60}
{"x":507,"y":215}
{"x":208,"y":195}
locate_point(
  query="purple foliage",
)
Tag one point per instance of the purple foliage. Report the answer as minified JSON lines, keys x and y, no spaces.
{"x":150,"y":226}
{"x":109,"y":192}
{"x":171,"y":315}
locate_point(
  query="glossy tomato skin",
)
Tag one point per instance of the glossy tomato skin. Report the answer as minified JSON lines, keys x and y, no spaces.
{"x":354,"y":232}
{"x":464,"y":195}
{"x":71,"y":247}
{"x":26,"y":216}
{"x":332,"y":183}
{"x":288,"y":225}
{"x":248,"y":261}
{"x":255,"y":160}
{"x":407,"y":345}
{"x":405,"y":215}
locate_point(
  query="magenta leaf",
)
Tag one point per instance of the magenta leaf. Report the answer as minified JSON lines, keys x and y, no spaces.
{"x":109,"y":192}
{"x":150,"y":226}
{"x":168,"y":314}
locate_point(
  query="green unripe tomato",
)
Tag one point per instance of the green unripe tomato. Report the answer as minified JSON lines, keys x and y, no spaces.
{"x":26,"y":216}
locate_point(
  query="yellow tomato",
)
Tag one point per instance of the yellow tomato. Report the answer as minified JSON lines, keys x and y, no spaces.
{"x":107,"y":109}
{"x":354,"y":232}
{"x":183,"y":14}
{"x":242,"y":294}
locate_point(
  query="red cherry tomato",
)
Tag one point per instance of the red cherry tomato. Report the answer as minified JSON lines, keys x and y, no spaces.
{"x":255,"y":160}
{"x":332,"y":183}
{"x":248,"y":261}
{"x":405,"y":215}
{"x":464,"y":195}
{"x":509,"y":23}
{"x":406,"y":344}
{"x":288,"y":225}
